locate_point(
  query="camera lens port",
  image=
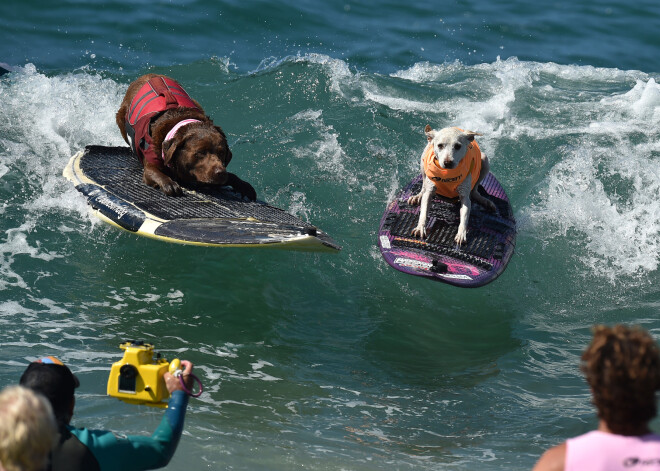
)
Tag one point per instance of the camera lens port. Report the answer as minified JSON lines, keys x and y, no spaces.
{"x":127,"y":378}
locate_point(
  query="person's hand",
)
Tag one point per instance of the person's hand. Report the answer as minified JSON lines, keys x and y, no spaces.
{"x":173,"y":383}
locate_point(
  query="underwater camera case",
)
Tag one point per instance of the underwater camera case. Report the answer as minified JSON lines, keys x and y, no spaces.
{"x":138,"y":378}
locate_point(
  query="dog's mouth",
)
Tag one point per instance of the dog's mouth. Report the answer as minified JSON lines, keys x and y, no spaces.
{"x":219,"y":178}
{"x":214,"y":176}
{"x":207,"y":186}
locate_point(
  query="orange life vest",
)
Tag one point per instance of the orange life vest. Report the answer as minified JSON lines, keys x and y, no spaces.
{"x":447,"y":179}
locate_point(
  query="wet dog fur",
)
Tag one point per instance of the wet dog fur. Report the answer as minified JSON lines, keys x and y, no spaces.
{"x":197,"y":154}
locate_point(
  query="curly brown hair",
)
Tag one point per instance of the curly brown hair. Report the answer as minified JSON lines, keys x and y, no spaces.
{"x":622,"y":366}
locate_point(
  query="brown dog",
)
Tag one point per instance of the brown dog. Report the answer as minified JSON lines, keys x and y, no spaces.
{"x":174,"y":138}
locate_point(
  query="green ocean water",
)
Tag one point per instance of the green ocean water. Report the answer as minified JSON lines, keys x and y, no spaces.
{"x":337,"y":361}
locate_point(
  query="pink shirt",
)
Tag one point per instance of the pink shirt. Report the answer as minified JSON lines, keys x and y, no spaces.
{"x":609,"y":452}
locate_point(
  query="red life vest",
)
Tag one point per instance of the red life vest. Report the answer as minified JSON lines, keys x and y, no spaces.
{"x":447,"y":179}
{"x":157,"y":95}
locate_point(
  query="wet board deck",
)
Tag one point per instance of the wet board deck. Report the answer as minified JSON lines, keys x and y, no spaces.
{"x":111,"y":180}
{"x":491,"y":238}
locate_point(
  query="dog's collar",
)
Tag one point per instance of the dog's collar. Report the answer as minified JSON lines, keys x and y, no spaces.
{"x":176,"y":127}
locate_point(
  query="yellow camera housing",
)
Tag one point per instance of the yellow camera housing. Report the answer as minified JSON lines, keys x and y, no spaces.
{"x":137,"y":378}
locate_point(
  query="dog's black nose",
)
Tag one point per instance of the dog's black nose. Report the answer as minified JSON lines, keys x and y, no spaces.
{"x":220,"y":176}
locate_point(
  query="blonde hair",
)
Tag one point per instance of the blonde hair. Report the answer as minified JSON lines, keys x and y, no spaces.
{"x":28,"y":430}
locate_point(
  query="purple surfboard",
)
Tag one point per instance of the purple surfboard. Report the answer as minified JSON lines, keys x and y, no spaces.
{"x":491,"y":237}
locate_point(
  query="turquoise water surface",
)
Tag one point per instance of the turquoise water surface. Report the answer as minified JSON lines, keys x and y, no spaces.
{"x":337,"y":361}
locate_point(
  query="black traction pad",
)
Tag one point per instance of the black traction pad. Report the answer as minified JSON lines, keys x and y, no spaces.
{"x":204,"y":214}
{"x":483,"y":257}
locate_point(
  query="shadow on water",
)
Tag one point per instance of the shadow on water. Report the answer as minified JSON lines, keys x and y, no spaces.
{"x":438,"y":334}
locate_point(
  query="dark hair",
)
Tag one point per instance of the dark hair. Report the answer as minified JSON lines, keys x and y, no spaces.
{"x":622,"y":366}
{"x":55,"y":382}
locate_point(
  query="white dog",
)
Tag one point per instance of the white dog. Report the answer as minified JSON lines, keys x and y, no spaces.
{"x":453,"y":166}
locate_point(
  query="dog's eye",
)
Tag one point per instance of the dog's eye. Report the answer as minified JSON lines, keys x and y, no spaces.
{"x":441,"y":146}
{"x":457,"y":146}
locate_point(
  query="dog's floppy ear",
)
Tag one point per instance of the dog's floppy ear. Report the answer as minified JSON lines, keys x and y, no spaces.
{"x":222,"y":133}
{"x":430,"y":133}
{"x":169,"y":148}
{"x":228,"y":154}
{"x":471,"y":134}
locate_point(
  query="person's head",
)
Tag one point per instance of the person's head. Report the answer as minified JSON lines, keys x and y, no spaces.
{"x":622,"y":366}
{"x":50,"y":377}
{"x":28,"y":430}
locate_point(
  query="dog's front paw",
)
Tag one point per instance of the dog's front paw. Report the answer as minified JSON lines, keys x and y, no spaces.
{"x":419,"y":232}
{"x":490,"y":206}
{"x":243,"y":187}
{"x":484,"y":202}
{"x":414,"y":200}
{"x":171,"y":188}
{"x":167,"y":186}
{"x":155,"y":178}
{"x":248,"y":191}
{"x":461,"y":236}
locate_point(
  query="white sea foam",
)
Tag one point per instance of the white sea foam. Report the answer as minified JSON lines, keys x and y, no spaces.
{"x":372,"y":93}
{"x":298,"y":206}
{"x":338,"y":70}
{"x":326,"y":149}
{"x":602,"y":190}
{"x":605,"y":188}
{"x":46,"y":120}
{"x":258,"y":373}
{"x":12,"y":308}
{"x":641,"y":103}
{"x":623,"y":231}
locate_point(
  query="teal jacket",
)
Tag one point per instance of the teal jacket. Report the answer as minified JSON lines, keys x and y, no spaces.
{"x":83,"y":449}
